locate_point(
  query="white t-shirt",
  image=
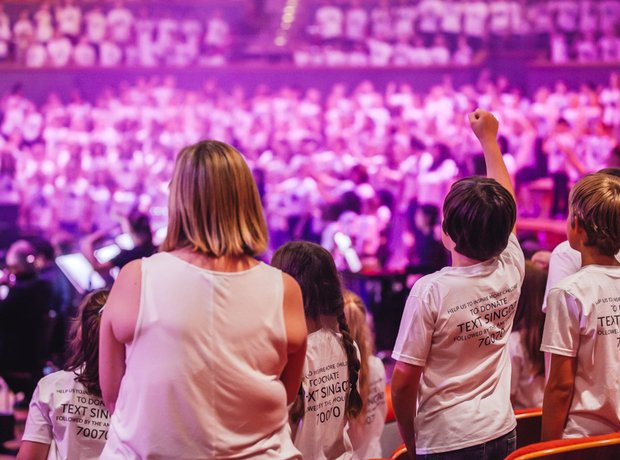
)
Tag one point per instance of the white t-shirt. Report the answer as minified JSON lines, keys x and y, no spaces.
{"x":456,"y":325}
{"x":365,"y":433}
{"x":564,"y":261}
{"x":44,"y":27}
{"x":64,"y":415}
{"x":429,"y":12}
{"x":329,"y":20}
{"x":583,"y":321}
{"x":323,"y":431}
{"x":119,"y":21}
{"x":84,"y":55}
{"x":59,"y":51}
{"x":69,"y":19}
{"x":95,"y":26}
{"x":526,"y":387}
{"x":36,"y":55}
{"x":356,"y":21}
{"x":499,"y":17}
{"x":474,"y":18}
{"x":110,"y":55}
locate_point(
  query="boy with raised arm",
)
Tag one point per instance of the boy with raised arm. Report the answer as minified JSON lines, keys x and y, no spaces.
{"x":582,"y":327}
{"x":451,"y":383}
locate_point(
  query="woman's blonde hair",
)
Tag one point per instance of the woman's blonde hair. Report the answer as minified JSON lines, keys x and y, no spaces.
{"x":214,"y":205}
{"x":355,"y":312}
{"x":595,"y":203}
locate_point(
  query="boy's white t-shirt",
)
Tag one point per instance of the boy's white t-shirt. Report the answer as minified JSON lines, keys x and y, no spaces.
{"x":63,"y":415}
{"x":323,"y":430}
{"x":526,"y":387}
{"x":365,"y":431}
{"x":456,"y":325}
{"x":583,"y":321}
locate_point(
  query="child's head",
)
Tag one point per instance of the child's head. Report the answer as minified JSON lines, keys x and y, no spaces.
{"x":479,"y":215}
{"x":84,"y":347}
{"x":595,"y":206}
{"x":314,"y":269}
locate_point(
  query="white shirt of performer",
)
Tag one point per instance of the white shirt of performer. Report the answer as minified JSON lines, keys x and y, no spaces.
{"x":59,"y":49}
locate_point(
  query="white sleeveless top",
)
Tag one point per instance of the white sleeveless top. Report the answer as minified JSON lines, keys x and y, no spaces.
{"x":202,"y":373}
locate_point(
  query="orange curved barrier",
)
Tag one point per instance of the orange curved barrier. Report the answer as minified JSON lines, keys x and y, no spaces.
{"x":400,"y":453}
{"x":601,"y":447}
{"x":389,"y":416}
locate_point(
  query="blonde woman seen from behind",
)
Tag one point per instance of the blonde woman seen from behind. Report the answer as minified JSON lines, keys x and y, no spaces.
{"x":202,"y":346}
{"x":366,"y":430}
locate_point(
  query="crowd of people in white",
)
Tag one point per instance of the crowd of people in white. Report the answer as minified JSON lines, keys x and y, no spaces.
{"x":440,"y":32}
{"x":69,"y":34}
{"x":346,"y":33}
{"x":351,"y":161}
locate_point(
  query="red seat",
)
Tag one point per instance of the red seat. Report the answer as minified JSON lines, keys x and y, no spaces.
{"x":528,"y":426}
{"x":604,"y":447}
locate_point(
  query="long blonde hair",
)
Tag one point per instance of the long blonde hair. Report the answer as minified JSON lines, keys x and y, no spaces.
{"x":214,"y":205}
{"x":355,"y":312}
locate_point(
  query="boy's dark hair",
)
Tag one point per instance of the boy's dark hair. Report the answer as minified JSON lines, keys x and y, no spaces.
{"x":83,"y":353}
{"x":479,"y":215}
{"x":314,"y":269}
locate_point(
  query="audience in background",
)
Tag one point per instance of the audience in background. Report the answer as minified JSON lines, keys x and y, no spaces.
{"x":440,"y":32}
{"x":349,"y":161}
{"x":72,"y":33}
{"x":347,"y":33}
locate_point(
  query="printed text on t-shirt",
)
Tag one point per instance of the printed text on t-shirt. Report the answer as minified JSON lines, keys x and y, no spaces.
{"x":325,"y":391}
{"x":608,"y":318}
{"x":490,"y":314}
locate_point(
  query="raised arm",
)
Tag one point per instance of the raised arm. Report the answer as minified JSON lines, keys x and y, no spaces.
{"x":485,"y":127}
{"x":118,"y":323}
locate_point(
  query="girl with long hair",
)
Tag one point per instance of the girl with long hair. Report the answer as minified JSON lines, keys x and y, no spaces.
{"x":528,"y":362}
{"x":366,"y":430}
{"x":328,"y":397}
{"x":67,"y":417}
